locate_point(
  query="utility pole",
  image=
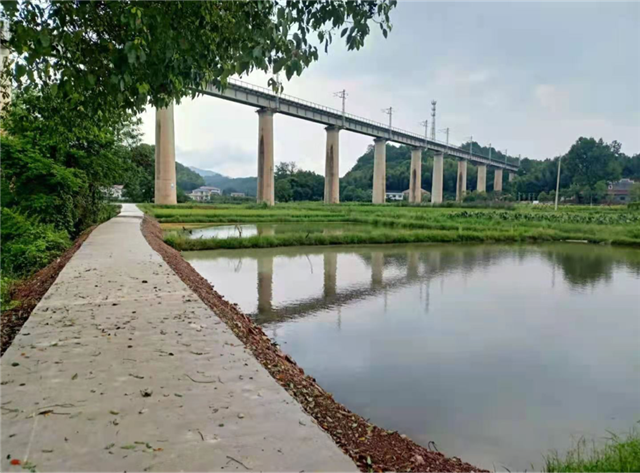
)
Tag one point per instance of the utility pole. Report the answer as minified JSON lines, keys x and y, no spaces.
{"x":558,"y":182}
{"x":278,"y":91}
{"x":446,"y":130}
{"x":389,"y":111}
{"x":426,"y":131}
{"x":506,"y":151}
{"x":489,"y":151}
{"x":343,"y":95}
{"x":433,"y":120}
{"x":471,"y":146}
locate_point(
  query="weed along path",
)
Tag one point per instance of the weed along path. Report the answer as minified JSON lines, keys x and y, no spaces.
{"x":121,"y":367}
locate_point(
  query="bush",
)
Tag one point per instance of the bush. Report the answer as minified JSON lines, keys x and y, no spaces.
{"x":28,"y":245}
{"x":6,"y":284}
{"x":633,"y":206}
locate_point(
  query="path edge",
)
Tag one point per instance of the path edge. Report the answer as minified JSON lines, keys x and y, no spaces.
{"x":369,"y":446}
{"x":30,"y":292}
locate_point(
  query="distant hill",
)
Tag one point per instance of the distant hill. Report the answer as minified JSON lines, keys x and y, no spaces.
{"x":358,"y":181}
{"x":247,"y":185}
{"x":227,"y":184}
{"x":186,"y":179}
{"x":204,"y":172}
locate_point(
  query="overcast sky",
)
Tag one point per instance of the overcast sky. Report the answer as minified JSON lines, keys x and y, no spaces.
{"x":527,"y":77}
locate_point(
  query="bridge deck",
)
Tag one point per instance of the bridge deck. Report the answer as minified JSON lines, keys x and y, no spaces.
{"x":97,"y":379}
{"x":255,"y":96}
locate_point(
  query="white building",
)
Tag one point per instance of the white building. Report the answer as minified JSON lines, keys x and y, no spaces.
{"x":237,"y":194}
{"x":204,"y":193}
{"x":113,"y":192}
{"x":394,"y":195}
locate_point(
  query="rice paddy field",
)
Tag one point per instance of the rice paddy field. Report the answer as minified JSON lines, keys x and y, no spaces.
{"x":353,"y":224}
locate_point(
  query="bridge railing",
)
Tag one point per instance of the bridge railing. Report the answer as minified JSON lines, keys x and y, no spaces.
{"x":308,"y":103}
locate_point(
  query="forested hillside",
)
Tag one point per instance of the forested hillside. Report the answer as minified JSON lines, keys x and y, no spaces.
{"x":138,"y":179}
{"x":228,"y":185}
{"x":357,"y":183}
{"x":586,"y":168}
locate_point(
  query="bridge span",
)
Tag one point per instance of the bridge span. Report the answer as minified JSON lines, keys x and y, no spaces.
{"x":268,"y":103}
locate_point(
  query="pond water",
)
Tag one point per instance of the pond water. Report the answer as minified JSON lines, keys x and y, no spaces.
{"x":495,"y":353}
{"x":247,"y":230}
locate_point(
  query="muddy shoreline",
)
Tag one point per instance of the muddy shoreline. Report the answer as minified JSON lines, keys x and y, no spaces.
{"x":369,"y":446}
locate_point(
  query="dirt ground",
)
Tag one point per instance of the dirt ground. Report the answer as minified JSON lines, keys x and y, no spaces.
{"x":371,"y":447}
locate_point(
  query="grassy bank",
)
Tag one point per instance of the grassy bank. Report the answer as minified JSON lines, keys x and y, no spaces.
{"x":403,"y":224}
{"x":619,"y":453}
{"x":28,"y":245}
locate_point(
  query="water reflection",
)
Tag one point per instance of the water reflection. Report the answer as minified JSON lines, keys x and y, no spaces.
{"x":496,"y":353}
{"x":224,"y":231}
{"x":583,"y":267}
{"x":395,"y":267}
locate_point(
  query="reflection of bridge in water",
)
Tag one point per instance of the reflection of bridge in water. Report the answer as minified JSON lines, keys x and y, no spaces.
{"x":418,"y":265}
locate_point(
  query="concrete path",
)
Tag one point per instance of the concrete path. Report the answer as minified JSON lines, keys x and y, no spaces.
{"x":122,"y":368}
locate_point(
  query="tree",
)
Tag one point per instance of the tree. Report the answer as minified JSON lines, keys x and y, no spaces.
{"x":283,"y":191}
{"x":138,"y":178}
{"x":591,"y":161}
{"x":56,"y":159}
{"x":285,"y":170}
{"x":138,"y":53}
{"x":634,"y":193}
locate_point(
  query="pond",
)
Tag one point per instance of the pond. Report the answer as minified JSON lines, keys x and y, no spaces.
{"x":252,"y":229}
{"x":495,"y":353}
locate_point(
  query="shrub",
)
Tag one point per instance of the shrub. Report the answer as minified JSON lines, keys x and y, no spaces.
{"x":28,"y":245}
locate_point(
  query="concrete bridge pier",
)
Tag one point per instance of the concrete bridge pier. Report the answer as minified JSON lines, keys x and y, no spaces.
{"x":265,"y":284}
{"x":165,"y":181}
{"x":332,"y":167}
{"x":330,"y":275}
{"x":482,"y":178}
{"x":436,"y":181}
{"x":512,"y":176}
{"x":461,"y":185}
{"x":265,"y":191}
{"x":497,"y":180}
{"x":413,"y":264}
{"x":415,"y":182}
{"x":379,"y":171}
{"x":377,"y":269}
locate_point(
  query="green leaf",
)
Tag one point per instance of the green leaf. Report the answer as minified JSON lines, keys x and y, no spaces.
{"x":279,"y":64}
{"x":44,"y":39}
{"x":20,"y":70}
{"x":344,"y":32}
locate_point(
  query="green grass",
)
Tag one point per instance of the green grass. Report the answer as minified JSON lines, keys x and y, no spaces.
{"x":619,"y":453}
{"x":404,"y":224}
